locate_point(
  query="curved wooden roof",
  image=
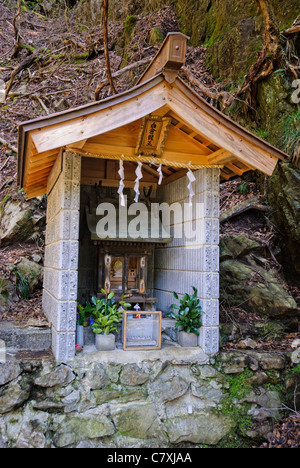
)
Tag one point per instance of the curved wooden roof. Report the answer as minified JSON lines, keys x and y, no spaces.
{"x":198,"y":134}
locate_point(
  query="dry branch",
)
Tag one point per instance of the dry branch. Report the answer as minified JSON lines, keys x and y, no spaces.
{"x":9,"y":145}
{"x":218,"y":96}
{"x":295,"y":28}
{"x":118,"y":73}
{"x":18,"y":44}
{"x":22,"y":66}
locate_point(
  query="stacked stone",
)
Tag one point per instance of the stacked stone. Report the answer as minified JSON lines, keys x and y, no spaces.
{"x":193,"y":261}
{"x":61,"y":257}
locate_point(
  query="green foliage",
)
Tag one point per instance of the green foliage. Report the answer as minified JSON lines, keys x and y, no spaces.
{"x":189,"y":312}
{"x":3,"y":204}
{"x":130,"y":24}
{"x":106,"y":313}
{"x":3,"y":286}
{"x":22,"y":284}
{"x":290,"y":140}
{"x":244,"y":188}
{"x":83,"y":313}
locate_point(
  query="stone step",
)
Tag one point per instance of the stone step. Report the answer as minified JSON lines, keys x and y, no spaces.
{"x":30,"y":338}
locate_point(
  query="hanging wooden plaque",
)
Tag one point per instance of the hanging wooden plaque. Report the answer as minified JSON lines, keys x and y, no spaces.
{"x":152,"y":135}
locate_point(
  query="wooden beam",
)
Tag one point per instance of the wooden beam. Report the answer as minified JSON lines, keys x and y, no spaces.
{"x":67,"y":132}
{"x":148,"y":169}
{"x":115,"y":182}
{"x":221,"y":157}
{"x":55,"y":173}
{"x":113,"y":151}
{"x":36,"y":191}
{"x":177,"y":175}
{"x":170,"y":57}
{"x":191,"y":138}
{"x":235,"y":169}
{"x":220,"y":134}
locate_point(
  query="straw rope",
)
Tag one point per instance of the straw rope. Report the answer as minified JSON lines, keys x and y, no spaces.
{"x":149,"y":160}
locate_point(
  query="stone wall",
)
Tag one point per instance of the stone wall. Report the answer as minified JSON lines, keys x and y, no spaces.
{"x":188,"y":262}
{"x":61,"y":257}
{"x":136,"y":403}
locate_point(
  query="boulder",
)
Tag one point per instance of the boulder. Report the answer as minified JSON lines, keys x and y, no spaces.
{"x":237,"y":246}
{"x":76,"y":429}
{"x":256,"y":290}
{"x":245,"y":280}
{"x":13,"y":395}
{"x":59,"y":377}
{"x":8,"y":295}
{"x":32,"y":272}
{"x":19,"y":221}
{"x":284,"y":193}
{"x":202,"y":427}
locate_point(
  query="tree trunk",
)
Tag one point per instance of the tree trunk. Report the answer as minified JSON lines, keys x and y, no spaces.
{"x":106,"y":52}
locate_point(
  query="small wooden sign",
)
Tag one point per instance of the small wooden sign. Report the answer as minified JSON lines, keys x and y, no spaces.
{"x":153,"y":135}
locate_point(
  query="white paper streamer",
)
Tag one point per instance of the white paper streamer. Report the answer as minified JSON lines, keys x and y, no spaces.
{"x":139,"y":176}
{"x":192,"y":179}
{"x":121,"y":185}
{"x":160,"y":175}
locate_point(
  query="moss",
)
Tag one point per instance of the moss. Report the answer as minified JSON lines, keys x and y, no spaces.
{"x":3,"y":204}
{"x":156,"y":36}
{"x":128,"y":31}
{"x":239,"y":387}
{"x":3,"y":287}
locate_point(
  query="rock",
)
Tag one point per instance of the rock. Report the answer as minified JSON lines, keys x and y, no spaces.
{"x":13,"y":395}
{"x":258,"y":290}
{"x":14,"y":221}
{"x":133,"y":375}
{"x":272,"y":362}
{"x":8,"y":296}
{"x":32,"y":272}
{"x":97,"y":377}
{"x":284,"y":193}
{"x":169,"y":384}
{"x":19,"y":221}
{"x":202,"y":427}
{"x":295,"y":356}
{"x":59,"y":377}
{"x":296,"y":343}
{"x":120,"y":393}
{"x":137,"y":420}
{"x":74,"y":430}
{"x":9,"y":371}
{"x":237,"y":246}
{"x":248,"y":343}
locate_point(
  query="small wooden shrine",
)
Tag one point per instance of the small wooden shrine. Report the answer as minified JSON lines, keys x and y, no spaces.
{"x":158,"y":142}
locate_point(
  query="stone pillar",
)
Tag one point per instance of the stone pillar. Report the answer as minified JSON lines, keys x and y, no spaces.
{"x":193,"y":261}
{"x":61,"y":257}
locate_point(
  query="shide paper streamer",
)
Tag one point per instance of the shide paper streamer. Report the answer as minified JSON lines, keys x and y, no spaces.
{"x":139,"y":176}
{"x":121,"y":185}
{"x":192,"y":179}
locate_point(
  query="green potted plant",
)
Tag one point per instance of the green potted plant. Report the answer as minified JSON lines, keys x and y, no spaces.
{"x":107,"y":313}
{"x":188,"y":318}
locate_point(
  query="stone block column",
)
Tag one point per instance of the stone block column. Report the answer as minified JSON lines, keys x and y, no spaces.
{"x":61,"y":257}
{"x":193,"y":259}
